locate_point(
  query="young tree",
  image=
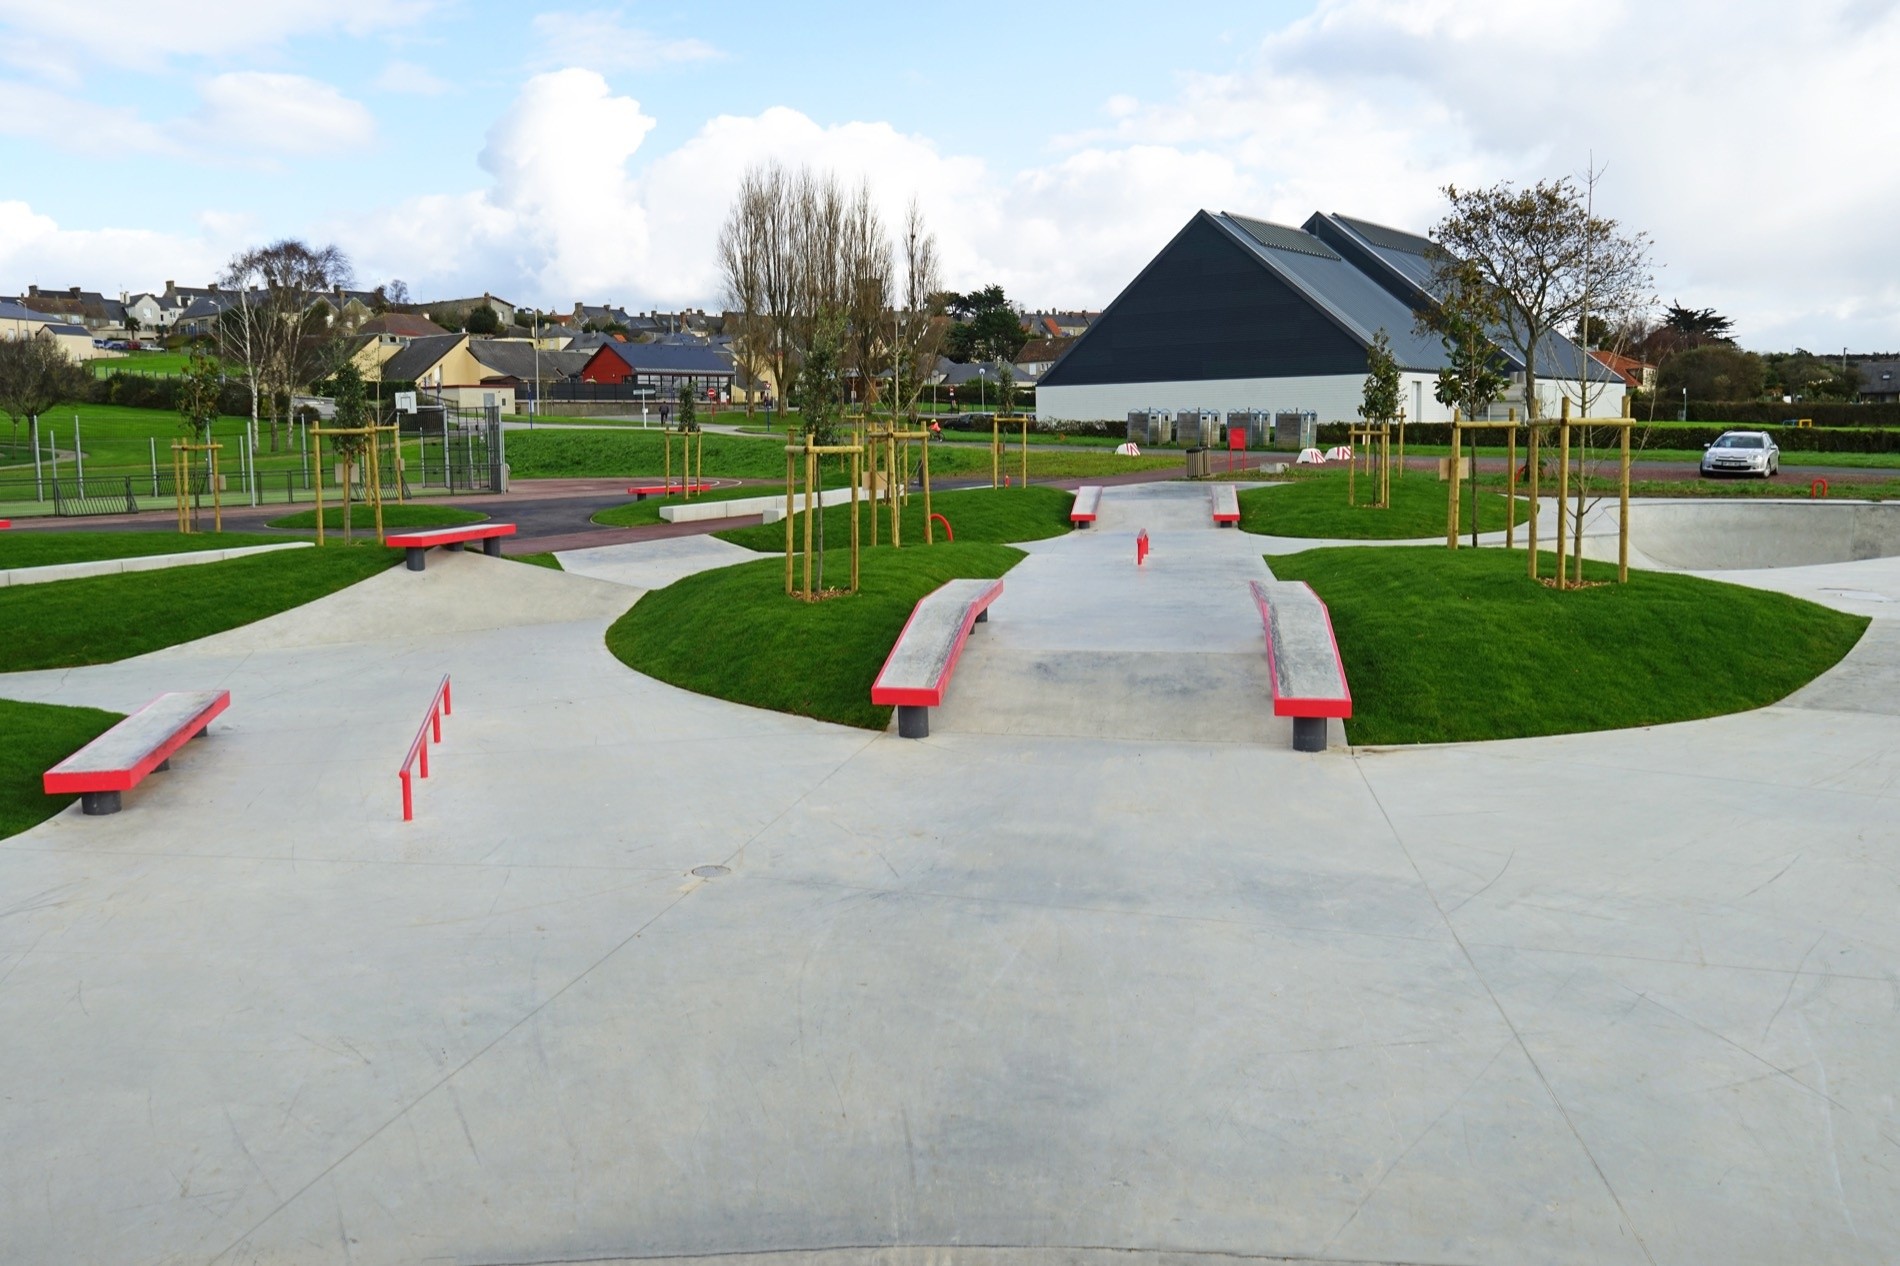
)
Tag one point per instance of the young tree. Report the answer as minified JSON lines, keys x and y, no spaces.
{"x":352,"y":413}
{"x":1380,"y":400}
{"x":1548,"y":262}
{"x":36,"y":376}
{"x":687,"y":418}
{"x":198,"y":392}
{"x":820,"y":394}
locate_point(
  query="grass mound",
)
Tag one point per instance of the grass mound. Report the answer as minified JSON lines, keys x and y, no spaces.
{"x":1316,"y":507}
{"x":994,"y":516}
{"x":1445,"y":646}
{"x":39,"y":736}
{"x":406,"y":514}
{"x":733,"y":634}
{"x":105,"y":618}
{"x":44,"y":549}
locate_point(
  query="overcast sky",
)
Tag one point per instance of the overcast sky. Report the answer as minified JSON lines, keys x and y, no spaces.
{"x":589,"y":153}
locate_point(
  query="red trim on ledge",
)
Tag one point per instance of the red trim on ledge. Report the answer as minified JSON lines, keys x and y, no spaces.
{"x":931,"y":696}
{"x":58,"y":784}
{"x":423,"y":538}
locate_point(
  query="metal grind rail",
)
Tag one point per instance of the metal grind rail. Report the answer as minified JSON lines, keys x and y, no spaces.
{"x":439,"y":707}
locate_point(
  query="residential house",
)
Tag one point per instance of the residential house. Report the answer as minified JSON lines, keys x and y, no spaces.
{"x":1062,"y":325}
{"x":523,"y":368}
{"x":80,"y":307}
{"x":1636,"y":375}
{"x":601,"y":316}
{"x":1237,"y":314}
{"x":443,"y":365}
{"x":149,"y":311}
{"x":454,"y":311}
{"x":18,"y":321}
{"x":1879,"y":381}
{"x":1038,"y":356}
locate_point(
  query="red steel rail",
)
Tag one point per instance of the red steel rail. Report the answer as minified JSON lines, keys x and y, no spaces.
{"x":439,"y":707}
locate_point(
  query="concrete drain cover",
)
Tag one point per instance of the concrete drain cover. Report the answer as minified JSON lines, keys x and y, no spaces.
{"x":711,"y":872}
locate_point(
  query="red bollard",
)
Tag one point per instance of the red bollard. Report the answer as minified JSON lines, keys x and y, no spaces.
{"x":1141,"y":547}
{"x":1817,"y":489}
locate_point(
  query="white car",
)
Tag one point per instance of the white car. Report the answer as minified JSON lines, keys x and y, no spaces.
{"x":1741,"y":453}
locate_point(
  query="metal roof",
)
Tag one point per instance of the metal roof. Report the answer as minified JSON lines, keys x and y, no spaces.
{"x":672,"y":358}
{"x":417,"y":359}
{"x":1280,"y":237}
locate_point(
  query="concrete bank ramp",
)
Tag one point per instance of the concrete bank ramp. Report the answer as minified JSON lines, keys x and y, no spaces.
{"x":1727,"y":535}
{"x":461,"y":592}
{"x":655,"y":564}
{"x":1085,"y":644}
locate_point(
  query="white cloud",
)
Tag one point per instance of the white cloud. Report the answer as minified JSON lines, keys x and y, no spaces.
{"x":410,"y":78}
{"x":279,"y":114}
{"x":72,"y":123}
{"x":65,"y":40}
{"x":34,"y":250}
{"x":602,"y":40}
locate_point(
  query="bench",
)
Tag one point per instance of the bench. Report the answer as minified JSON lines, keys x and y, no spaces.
{"x":918,"y":670}
{"x":1224,"y":503}
{"x":1087,"y":501}
{"x":662,"y":490}
{"x":1309,"y":679}
{"x":119,"y":759}
{"x":418,"y":543}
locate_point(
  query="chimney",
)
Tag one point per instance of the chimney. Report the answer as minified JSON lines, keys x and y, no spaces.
{"x":73,"y":291}
{"x":32,"y":290}
{"x":170,"y":285}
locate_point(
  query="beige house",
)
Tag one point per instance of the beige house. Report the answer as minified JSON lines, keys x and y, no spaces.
{"x":19,"y":321}
{"x":442,"y":365}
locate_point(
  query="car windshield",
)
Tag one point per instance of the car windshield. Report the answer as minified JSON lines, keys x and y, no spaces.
{"x":1739,"y":441}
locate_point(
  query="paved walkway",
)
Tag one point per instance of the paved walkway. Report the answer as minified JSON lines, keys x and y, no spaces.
{"x":1622,"y":997}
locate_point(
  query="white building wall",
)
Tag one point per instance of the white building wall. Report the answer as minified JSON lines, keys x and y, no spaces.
{"x":1334,"y":397}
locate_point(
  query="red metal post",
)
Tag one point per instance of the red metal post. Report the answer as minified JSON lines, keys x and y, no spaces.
{"x":408,"y":805}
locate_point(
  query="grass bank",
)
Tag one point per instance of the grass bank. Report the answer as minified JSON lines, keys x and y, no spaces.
{"x":39,"y":736}
{"x":43,"y":549}
{"x":105,"y":618}
{"x":1315,"y":506}
{"x":994,"y":516}
{"x":395,"y":515}
{"x":1444,"y":646}
{"x":732,"y":633}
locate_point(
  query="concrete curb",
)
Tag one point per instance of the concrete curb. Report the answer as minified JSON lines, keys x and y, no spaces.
{"x":148,"y":562}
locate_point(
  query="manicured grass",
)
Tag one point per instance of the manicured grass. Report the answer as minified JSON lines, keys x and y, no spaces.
{"x":994,"y":516}
{"x":569,"y":452}
{"x":42,"y":549}
{"x":733,"y":633}
{"x":1315,"y":506}
{"x":645,"y":513}
{"x":1444,"y":645}
{"x":160,"y":362}
{"x":118,"y":441}
{"x":38,"y":737}
{"x":536,"y":560}
{"x":405,"y":514}
{"x":105,"y":618}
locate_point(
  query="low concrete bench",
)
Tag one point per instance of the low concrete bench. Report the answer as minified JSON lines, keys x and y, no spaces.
{"x":418,"y":543}
{"x":119,"y":759}
{"x":1224,"y":504}
{"x":1309,"y":679}
{"x":1088,"y":500}
{"x":661,"y":490}
{"x":918,"y":670}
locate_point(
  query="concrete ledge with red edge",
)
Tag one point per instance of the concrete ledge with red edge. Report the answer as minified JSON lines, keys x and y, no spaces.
{"x":666,"y":490}
{"x":1088,"y":501}
{"x":1309,"y":679}
{"x":417,"y":544}
{"x":119,"y":759}
{"x":1224,"y":505}
{"x":918,"y":670}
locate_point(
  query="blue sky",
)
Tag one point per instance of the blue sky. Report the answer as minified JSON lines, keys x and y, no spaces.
{"x":553,"y":154}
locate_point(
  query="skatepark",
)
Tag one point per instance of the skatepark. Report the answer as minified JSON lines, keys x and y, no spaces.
{"x":1102,"y":970}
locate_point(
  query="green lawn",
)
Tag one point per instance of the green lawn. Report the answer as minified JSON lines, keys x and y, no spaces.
{"x":535,"y":560}
{"x":995,"y":516}
{"x":105,"y":618}
{"x":41,"y":549}
{"x":118,"y":440}
{"x":1444,"y":646}
{"x":160,"y":362}
{"x":400,"y":514}
{"x":38,"y":737}
{"x":570,"y":452}
{"x":1315,"y":506}
{"x":733,"y":633}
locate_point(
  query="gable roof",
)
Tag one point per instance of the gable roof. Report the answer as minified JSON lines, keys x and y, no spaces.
{"x":14,"y":310}
{"x":402,"y":325}
{"x":507,"y":358}
{"x":671,"y":358}
{"x":416,"y":360}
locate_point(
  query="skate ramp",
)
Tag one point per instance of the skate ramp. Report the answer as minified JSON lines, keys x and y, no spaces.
{"x":1735,"y":535}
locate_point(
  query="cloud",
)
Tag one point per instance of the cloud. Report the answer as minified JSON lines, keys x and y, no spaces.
{"x":65,"y":41}
{"x":602,"y":40}
{"x":410,"y":78}
{"x":35,"y":250}
{"x":279,"y":114}
{"x":71,"y":123}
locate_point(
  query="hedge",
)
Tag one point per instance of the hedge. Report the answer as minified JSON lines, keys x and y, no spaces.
{"x":1765,"y":413}
{"x":1795,"y":439}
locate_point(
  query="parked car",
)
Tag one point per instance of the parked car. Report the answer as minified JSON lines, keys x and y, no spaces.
{"x":1741,"y":453}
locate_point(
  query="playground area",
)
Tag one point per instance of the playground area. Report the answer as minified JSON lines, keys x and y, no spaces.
{"x":1103,"y":970}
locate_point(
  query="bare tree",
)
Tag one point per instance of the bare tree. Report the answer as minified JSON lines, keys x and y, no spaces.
{"x":283,"y":324}
{"x":919,"y":326}
{"x":743,"y":244}
{"x":865,"y":260}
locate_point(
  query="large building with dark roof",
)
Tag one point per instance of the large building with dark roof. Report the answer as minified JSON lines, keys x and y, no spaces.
{"x":1239,"y":314}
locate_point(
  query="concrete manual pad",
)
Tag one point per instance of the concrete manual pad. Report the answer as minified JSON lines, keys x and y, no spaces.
{"x":1611,"y":998}
{"x":655,"y":564}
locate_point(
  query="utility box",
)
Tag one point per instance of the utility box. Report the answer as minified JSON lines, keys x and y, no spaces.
{"x":1197,"y":428}
{"x":1150,"y":426}
{"x":1294,"y":429}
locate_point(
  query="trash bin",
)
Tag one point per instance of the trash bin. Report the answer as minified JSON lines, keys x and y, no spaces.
{"x":1197,"y":464}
